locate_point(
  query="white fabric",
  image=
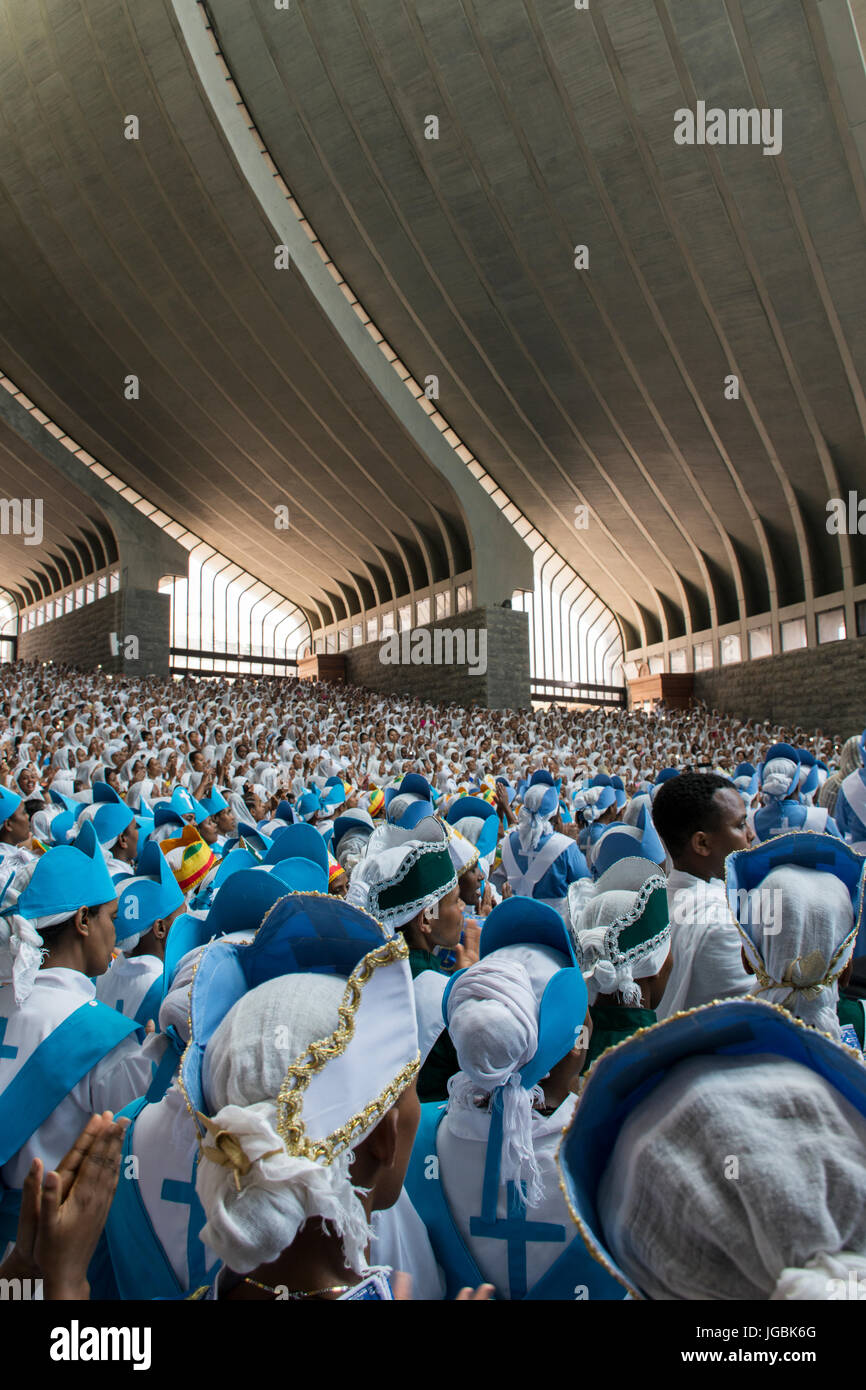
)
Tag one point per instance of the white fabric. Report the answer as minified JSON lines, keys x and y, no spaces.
{"x":429,"y":987}
{"x":21,"y":946}
{"x":245,"y":1064}
{"x":777,"y":776}
{"x":493,"y":1023}
{"x":705,"y":945}
{"x":252,"y":1223}
{"x":682,"y":1227}
{"x":796,"y":921}
{"x":602,"y":975}
{"x":116,"y":1080}
{"x":126,"y":982}
{"x":461,"y":1147}
{"x":400,"y":1241}
{"x":388,"y":850}
{"x":165,"y":1143}
{"x":532,"y":823}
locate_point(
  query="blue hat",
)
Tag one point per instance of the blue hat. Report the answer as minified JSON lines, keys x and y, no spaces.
{"x":103,"y":791}
{"x":213,"y":804}
{"x":286,"y":811}
{"x":746,"y":869}
{"x":252,"y":838}
{"x":334,"y":793}
{"x":627,"y":1072}
{"x":301,"y":875}
{"x":309,"y":805}
{"x":63,"y":828}
{"x":561,"y":1011}
{"x":355,"y":822}
{"x":108,"y":818}
{"x":606,"y":799}
{"x":182,"y":804}
{"x":413,"y":784}
{"x":475,"y":809}
{"x":602,"y":779}
{"x":299,"y":841}
{"x":67,"y":802}
{"x":152,"y":894}
{"x":308,"y":933}
{"x":67,"y":878}
{"x":9,"y":803}
{"x":527,"y":922}
{"x":625,"y":842}
{"x":241,"y":904}
{"x":745,"y":779}
{"x":544,"y":778}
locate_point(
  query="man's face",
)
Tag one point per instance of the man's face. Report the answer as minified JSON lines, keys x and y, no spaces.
{"x":17,"y":826}
{"x":733,"y":831}
{"x":207,"y":829}
{"x":100,"y":938}
{"x":449,"y":924}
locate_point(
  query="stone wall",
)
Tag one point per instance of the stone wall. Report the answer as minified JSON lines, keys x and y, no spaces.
{"x":504,"y":684}
{"x":818,"y":687}
{"x":83,"y":638}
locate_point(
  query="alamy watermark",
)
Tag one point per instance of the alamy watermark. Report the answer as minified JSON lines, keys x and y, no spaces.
{"x":736,"y":126}
{"x":847,"y":518}
{"x":22,"y":516}
{"x":756,"y":908}
{"x":442,"y":646}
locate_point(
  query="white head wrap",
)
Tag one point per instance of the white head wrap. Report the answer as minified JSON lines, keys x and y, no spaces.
{"x":533,"y":822}
{"x":353,"y":847}
{"x":493,"y":1022}
{"x":796,"y":938}
{"x":21,"y":946}
{"x":777,"y":776}
{"x":256,"y":1208}
{"x":683,"y":1225}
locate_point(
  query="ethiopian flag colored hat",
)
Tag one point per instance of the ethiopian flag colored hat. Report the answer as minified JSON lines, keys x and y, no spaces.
{"x":190,"y":859}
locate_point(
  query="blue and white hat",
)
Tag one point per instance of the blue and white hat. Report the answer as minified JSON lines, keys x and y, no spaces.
{"x":9,"y":803}
{"x":512,"y":1016}
{"x":627,"y":1074}
{"x":153,"y":894}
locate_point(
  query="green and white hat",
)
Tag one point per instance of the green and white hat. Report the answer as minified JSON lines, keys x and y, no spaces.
{"x":623,"y":936}
{"x":403,"y":872}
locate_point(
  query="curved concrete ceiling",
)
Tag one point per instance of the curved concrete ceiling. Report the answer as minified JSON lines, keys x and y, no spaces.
{"x":57,"y":537}
{"x":153,"y":258}
{"x":602,"y":388}
{"x":606,"y":386}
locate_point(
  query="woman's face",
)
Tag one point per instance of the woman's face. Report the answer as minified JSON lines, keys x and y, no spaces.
{"x":100,"y":939}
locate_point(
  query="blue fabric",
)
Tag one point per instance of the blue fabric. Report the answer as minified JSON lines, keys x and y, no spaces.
{"x":140,"y":1265}
{"x":149,"y":1006}
{"x":780,"y":817}
{"x":57,"y":1064}
{"x":572,"y":1272}
{"x":849,"y":823}
{"x":568,"y":868}
{"x":428,"y":1199}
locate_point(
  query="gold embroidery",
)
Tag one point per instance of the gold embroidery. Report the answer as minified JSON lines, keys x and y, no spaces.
{"x":290,"y":1125}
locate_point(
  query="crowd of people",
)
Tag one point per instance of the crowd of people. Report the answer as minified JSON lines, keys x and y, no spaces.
{"x":308,"y":992}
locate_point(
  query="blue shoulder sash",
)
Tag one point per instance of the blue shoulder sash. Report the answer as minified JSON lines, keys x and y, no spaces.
{"x":428,"y":1199}
{"x":60,"y":1061}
